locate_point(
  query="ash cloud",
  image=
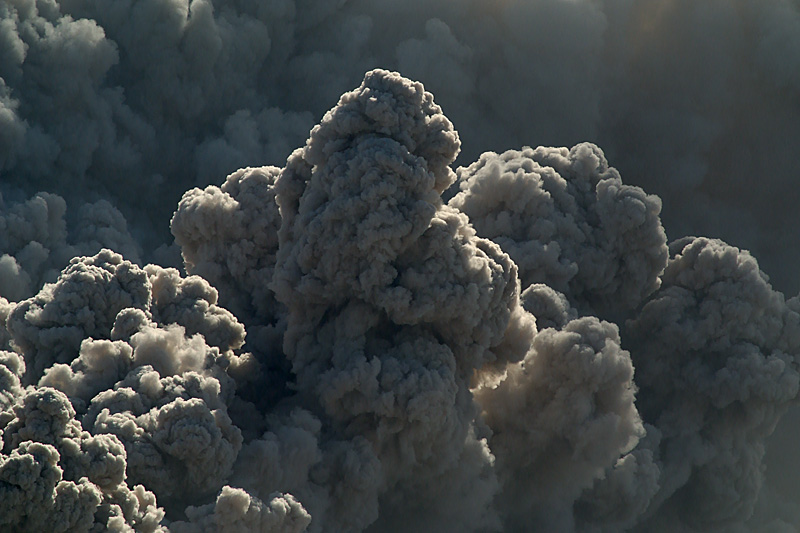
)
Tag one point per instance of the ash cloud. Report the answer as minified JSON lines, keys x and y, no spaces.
{"x":688,"y":100}
{"x":390,"y":330}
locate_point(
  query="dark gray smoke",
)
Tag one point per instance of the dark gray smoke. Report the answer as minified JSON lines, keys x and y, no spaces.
{"x":693,"y":102}
{"x":436,"y":338}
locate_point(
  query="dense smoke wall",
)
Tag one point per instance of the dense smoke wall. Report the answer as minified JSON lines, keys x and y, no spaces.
{"x":436,"y":337}
{"x":695,"y":102}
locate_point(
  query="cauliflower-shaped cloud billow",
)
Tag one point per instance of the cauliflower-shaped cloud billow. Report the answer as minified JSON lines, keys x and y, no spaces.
{"x":567,"y":220}
{"x":229,"y":236}
{"x":393,"y":301}
{"x":53,"y":474}
{"x":562,"y":417}
{"x":125,"y":393}
{"x":715,"y":350}
{"x":49,"y":327}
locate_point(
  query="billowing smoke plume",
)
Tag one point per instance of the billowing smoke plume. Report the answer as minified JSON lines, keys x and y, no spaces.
{"x":693,"y":101}
{"x":350,"y":352}
{"x":437,"y":338}
{"x":568,"y":222}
